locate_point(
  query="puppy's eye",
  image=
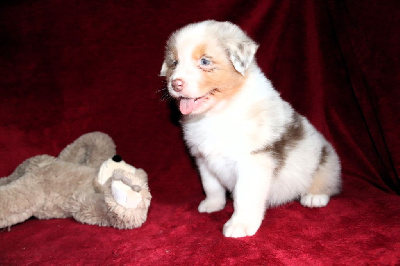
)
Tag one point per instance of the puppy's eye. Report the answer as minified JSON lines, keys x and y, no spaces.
{"x":205,"y":62}
{"x":174,"y":63}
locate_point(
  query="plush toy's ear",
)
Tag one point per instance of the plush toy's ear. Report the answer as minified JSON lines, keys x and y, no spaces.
{"x":241,"y":53}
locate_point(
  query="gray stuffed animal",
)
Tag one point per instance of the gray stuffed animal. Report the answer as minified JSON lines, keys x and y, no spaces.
{"x":86,"y":181}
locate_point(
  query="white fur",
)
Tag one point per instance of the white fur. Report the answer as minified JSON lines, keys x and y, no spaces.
{"x":224,"y":139}
{"x":124,"y":195}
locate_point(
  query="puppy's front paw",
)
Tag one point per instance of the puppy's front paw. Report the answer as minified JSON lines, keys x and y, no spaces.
{"x":211,"y":205}
{"x":314,"y":201}
{"x":240,"y":228}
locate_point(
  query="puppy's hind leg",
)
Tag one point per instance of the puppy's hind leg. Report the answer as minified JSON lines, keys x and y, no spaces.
{"x":326,"y":180}
{"x":215,"y":193}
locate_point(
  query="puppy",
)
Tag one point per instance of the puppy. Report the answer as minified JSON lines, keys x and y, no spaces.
{"x":243,"y":136}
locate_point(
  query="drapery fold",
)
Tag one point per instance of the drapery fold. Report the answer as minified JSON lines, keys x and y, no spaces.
{"x":373,"y":73}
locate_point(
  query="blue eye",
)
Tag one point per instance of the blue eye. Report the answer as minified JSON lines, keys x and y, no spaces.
{"x":205,"y":62}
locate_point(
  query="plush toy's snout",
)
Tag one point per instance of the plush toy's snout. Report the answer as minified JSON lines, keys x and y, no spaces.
{"x":126,"y":189}
{"x":118,"y":176}
{"x":108,"y":167}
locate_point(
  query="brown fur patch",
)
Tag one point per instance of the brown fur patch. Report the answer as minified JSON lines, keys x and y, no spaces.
{"x":171,"y":55}
{"x":319,"y":185}
{"x":198,"y":52}
{"x":323,"y":156}
{"x":221,"y":77}
{"x":293,"y":134}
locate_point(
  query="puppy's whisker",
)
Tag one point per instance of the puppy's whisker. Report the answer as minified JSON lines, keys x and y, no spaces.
{"x":214,"y":91}
{"x":165,"y":96}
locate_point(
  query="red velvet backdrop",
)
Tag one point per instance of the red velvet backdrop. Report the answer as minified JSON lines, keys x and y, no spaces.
{"x":72,"y":67}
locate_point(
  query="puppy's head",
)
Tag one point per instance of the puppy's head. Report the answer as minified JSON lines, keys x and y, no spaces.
{"x":206,"y":63}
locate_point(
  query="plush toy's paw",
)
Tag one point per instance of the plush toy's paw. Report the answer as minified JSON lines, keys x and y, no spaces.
{"x":108,"y":167}
{"x":124,"y":191}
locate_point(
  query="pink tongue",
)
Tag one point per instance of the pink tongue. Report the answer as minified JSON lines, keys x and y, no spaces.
{"x":186,"y":105}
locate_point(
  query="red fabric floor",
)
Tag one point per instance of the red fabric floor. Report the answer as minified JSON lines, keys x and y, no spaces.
{"x":71,"y":67}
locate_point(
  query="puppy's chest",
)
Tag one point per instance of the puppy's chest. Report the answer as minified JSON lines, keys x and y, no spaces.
{"x":215,"y":138}
{"x":216,"y":147}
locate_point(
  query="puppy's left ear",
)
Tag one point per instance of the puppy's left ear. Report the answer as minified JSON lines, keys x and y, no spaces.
{"x":241,"y":53}
{"x":164,"y":68}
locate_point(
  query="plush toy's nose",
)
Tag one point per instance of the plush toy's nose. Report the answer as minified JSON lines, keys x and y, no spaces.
{"x":116,"y":158}
{"x":178,"y":84}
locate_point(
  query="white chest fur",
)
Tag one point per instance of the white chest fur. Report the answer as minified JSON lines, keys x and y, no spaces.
{"x":233,"y":130}
{"x":217,"y":143}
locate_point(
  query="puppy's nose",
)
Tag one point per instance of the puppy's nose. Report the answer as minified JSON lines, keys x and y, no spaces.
{"x":177,"y":84}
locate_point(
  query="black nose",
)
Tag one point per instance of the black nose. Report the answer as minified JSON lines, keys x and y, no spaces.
{"x":116,"y":158}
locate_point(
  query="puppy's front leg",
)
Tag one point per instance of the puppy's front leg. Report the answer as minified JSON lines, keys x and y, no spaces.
{"x":215,"y":193}
{"x":250,"y":197}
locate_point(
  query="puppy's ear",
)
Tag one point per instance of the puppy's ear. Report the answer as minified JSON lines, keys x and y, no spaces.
{"x":164,"y":68}
{"x":241,"y":53}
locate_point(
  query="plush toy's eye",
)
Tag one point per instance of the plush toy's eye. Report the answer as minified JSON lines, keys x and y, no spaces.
{"x":205,"y":62}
